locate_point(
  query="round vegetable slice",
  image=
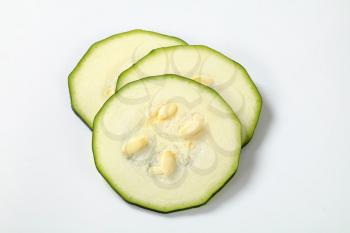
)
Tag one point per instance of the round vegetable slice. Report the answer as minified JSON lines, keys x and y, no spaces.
{"x":168,"y":150}
{"x":93,"y":80}
{"x":208,"y":67}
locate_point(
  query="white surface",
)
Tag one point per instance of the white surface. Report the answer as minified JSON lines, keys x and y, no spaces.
{"x":294,"y":175}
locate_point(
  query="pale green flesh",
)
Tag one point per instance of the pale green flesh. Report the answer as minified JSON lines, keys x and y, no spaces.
{"x":93,"y":80}
{"x":229,"y":78}
{"x":212,"y":161}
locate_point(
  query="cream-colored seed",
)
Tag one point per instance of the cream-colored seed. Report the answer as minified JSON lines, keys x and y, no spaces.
{"x":134,"y":145}
{"x":205,"y":81}
{"x":192,"y":127}
{"x":167,"y":164}
{"x":156,"y":170}
{"x":166,"y":111}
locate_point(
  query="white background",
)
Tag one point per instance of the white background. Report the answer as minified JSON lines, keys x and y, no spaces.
{"x":294,"y":174}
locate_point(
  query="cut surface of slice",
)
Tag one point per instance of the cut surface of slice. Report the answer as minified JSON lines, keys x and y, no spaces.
{"x":159,"y":143}
{"x":208,"y":67}
{"x":93,"y":80}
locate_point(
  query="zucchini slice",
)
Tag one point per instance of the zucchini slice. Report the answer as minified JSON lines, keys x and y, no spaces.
{"x":209,"y":67}
{"x":93,"y":80}
{"x":166,"y":143}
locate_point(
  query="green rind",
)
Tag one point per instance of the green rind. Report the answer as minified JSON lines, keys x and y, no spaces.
{"x":90,"y":49}
{"x":127,"y":198}
{"x":259,"y":104}
{"x":250,"y":132}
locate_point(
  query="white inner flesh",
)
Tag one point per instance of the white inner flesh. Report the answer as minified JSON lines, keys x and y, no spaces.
{"x":95,"y":79}
{"x":198,"y":62}
{"x":203,"y":164}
